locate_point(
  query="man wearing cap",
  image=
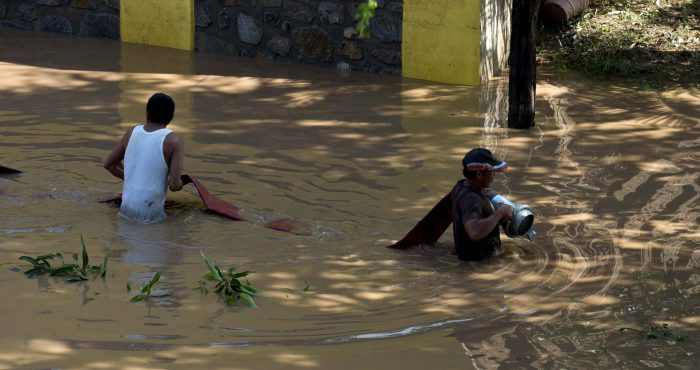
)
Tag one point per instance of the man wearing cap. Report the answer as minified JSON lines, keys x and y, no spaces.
{"x":474,"y":219}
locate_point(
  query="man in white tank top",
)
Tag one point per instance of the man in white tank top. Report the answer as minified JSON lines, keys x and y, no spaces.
{"x":152,"y":158}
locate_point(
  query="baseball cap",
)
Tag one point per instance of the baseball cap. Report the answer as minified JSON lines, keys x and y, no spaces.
{"x":481,"y":159}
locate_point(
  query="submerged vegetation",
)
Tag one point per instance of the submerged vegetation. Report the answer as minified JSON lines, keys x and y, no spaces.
{"x":655,"y":332}
{"x":655,"y":43}
{"x":146,"y":289}
{"x":42,"y":265}
{"x":229,"y":284}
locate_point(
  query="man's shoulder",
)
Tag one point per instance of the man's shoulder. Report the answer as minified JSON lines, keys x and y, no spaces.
{"x":173,"y":137}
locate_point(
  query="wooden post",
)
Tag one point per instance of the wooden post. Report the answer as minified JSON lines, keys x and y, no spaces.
{"x":522,"y":74}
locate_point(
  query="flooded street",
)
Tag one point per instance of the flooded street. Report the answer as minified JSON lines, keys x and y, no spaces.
{"x":610,"y":171}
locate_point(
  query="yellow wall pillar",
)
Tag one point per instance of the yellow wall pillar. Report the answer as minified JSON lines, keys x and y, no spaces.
{"x":157,"y":22}
{"x":441,"y":40}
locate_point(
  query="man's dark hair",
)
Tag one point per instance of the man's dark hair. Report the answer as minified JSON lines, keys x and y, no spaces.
{"x":160,"y":108}
{"x":471,"y":175}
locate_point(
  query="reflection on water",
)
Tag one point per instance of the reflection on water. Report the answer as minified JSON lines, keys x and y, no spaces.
{"x":611,"y":174}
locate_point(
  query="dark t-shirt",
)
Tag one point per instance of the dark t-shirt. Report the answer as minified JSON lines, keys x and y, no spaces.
{"x":470,"y":204}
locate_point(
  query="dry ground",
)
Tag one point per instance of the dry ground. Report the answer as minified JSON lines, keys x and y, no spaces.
{"x":655,"y":43}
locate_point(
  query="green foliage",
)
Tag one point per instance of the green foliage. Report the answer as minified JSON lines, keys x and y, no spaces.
{"x":42,"y":265}
{"x":229,"y":284}
{"x":146,"y":289}
{"x":655,"y":332}
{"x":652,"y":43}
{"x":365,"y":12}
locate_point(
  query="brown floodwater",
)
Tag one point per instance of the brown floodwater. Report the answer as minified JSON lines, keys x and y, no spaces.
{"x":610,"y":171}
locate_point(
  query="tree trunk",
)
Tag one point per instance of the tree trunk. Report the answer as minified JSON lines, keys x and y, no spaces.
{"x":522,"y":74}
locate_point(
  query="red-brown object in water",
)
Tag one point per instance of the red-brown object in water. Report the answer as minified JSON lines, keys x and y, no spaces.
{"x":8,"y":171}
{"x":213,"y":204}
{"x":561,"y":11}
{"x":429,"y":229}
{"x":228,"y":210}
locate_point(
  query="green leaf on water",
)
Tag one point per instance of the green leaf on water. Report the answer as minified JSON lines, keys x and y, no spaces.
{"x":136,"y":298}
{"x":248,"y":299}
{"x":215,"y":272}
{"x":104,"y":267}
{"x":306,"y":288}
{"x":128,"y":286}
{"x":86,"y":260}
{"x":30,"y":260}
{"x":63,"y":269}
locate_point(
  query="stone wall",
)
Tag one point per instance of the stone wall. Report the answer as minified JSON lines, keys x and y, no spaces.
{"x":300,"y":31}
{"x":306,"y":31}
{"x":98,"y":18}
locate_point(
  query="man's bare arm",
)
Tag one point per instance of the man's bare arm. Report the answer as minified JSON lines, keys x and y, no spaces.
{"x":113,"y":161}
{"x":175,"y":162}
{"x":479,"y":229}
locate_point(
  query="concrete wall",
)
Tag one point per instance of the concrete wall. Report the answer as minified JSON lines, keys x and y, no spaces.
{"x":455,"y":41}
{"x":157,"y":22}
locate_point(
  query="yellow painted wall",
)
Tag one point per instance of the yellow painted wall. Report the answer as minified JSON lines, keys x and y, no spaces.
{"x":168,"y":23}
{"x":441,"y":40}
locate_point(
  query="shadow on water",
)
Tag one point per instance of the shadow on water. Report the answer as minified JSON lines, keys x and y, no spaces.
{"x":610,"y":172}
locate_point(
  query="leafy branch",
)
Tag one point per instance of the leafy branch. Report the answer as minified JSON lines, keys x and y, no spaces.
{"x":654,"y":332}
{"x":146,"y":289}
{"x":77,"y":272}
{"x":229,"y":284}
{"x":365,"y":12}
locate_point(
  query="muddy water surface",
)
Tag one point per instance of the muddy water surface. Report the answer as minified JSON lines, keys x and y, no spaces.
{"x":611,"y":172}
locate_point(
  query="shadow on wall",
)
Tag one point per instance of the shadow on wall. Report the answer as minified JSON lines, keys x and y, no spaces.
{"x":495,"y":37}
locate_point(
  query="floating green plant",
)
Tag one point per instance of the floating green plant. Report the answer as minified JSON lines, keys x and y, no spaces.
{"x":77,"y":272}
{"x":146,"y":289}
{"x":229,"y":284}
{"x":663,"y":331}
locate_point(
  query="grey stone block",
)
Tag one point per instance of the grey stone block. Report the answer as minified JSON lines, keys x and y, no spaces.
{"x":313,"y":44}
{"x":84,"y":4}
{"x":202,"y":18}
{"x":114,"y":4}
{"x":222,"y":20}
{"x":343,"y":67}
{"x":351,"y":49}
{"x":387,"y":29}
{"x":19,"y":26}
{"x":248,"y":29}
{"x":52,"y":23}
{"x":26,"y":12}
{"x":49,"y":2}
{"x":331,"y":13}
{"x":298,"y":12}
{"x":270,"y":17}
{"x":279,"y":45}
{"x":390,"y":57}
{"x":272,"y":3}
{"x":395,"y":7}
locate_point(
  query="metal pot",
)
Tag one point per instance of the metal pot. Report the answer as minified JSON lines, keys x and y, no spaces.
{"x":523,"y":218}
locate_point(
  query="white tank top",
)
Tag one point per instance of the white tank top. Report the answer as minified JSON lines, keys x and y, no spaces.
{"x":145,"y":176}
